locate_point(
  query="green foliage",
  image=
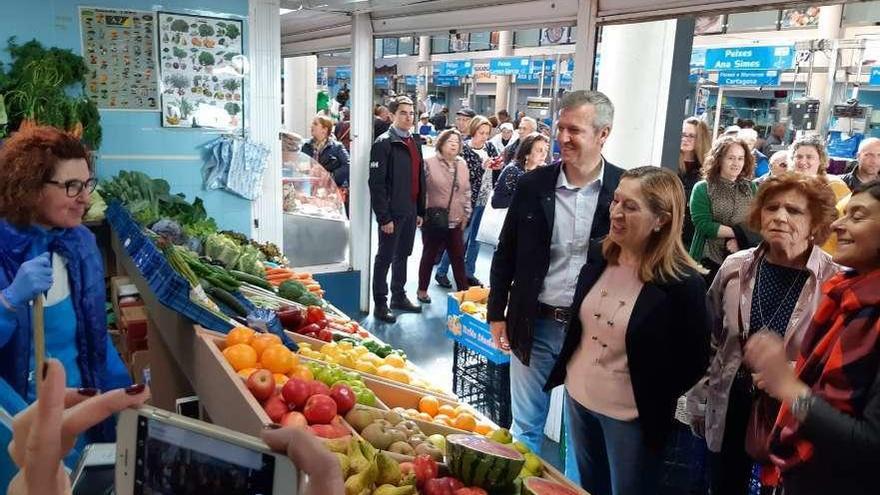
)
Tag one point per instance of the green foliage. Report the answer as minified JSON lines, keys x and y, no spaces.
{"x":179,"y":53}
{"x":71,"y":68}
{"x":232,"y":108}
{"x":205,"y":30}
{"x":205,"y":58}
{"x":180,"y":26}
{"x":232,"y":31}
{"x":231,"y":85}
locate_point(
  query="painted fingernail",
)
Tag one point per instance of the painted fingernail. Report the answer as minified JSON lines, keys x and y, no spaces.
{"x":45,"y":370}
{"x":135,"y":389}
{"x":272,"y":426}
{"x":87,"y":392}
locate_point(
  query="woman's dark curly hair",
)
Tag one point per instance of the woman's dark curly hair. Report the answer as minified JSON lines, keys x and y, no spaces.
{"x":27,"y":161}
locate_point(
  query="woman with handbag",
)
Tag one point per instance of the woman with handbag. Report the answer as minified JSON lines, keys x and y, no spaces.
{"x":720,"y":203}
{"x":448,"y":208}
{"x":826,"y":438}
{"x":531,"y":154}
{"x":773,"y":287}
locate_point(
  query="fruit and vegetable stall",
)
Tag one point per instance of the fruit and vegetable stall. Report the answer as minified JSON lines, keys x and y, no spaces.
{"x":229,"y":320}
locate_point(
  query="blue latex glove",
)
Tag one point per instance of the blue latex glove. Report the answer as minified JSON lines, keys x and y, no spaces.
{"x":33,"y":277}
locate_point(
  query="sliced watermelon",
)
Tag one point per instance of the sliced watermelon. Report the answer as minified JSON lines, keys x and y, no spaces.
{"x":478,"y":461}
{"x":540,"y":486}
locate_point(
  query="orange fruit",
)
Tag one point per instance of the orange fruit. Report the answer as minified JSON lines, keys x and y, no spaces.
{"x":425,"y":417}
{"x":280,"y":379}
{"x":483,"y":428}
{"x":465,"y":421}
{"x":302,"y":372}
{"x":263,"y":340}
{"x":429,"y":404}
{"x":447,"y":410}
{"x":239,"y":335}
{"x":246,"y":373}
{"x":464,"y":408}
{"x":240,"y":356}
{"x":277,"y":359}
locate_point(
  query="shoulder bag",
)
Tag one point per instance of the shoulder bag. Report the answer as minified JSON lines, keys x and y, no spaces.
{"x":436,"y":218}
{"x":763,"y":413}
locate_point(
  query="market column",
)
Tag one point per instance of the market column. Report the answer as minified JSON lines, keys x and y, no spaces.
{"x":643,"y":70}
{"x":424,"y":71}
{"x":822,"y":85}
{"x":264,"y":54}
{"x":502,"y":83}
{"x":300,"y":90}
{"x":361,"y":141}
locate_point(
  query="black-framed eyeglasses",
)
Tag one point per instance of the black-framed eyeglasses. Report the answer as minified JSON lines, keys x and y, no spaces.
{"x":75,"y":187}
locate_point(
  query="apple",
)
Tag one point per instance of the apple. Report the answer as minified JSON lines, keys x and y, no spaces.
{"x":359,"y":418}
{"x":406,"y":468}
{"x":401,"y":448}
{"x":381,"y":436}
{"x":276,"y":408}
{"x":319,"y":409}
{"x":319,"y":388}
{"x":261,"y":384}
{"x":344,"y":397}
{"x":295,"y":419}
{"x":296,"y":392}
{"x":330,"y":431}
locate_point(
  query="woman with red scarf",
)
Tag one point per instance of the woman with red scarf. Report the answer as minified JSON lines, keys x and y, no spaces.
{"x":826,"y":438}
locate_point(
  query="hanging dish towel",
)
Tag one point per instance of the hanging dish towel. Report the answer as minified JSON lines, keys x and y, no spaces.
{"x":237,"y":165}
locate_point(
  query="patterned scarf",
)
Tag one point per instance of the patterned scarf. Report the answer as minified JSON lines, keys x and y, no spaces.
{"x":839,"y":359}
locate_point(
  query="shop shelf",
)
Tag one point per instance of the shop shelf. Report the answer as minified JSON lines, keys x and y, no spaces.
{"x":478,"y":381}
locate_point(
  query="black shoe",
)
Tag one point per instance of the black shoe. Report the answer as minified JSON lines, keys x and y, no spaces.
{"x":443,"y":281}
{"x":474,"y":282}
{"x":425,"y":300}
{"x":382,"y":313}
{"x":405,"y":305}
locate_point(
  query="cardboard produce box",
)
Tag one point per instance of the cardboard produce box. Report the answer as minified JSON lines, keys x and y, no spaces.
{"x":470,"y":328}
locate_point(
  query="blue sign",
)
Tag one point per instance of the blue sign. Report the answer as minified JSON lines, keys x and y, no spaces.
{"x":343,"y":72}
{"x":875,"y":76}
{"x":382,"y":81}
{"x":454,"y":68}
{"x":549,"y":66}
{"x":748,"y":78}
{"x":414,"y":80}
{"x":750,"y":58}
{"x":509,"y":66}
{"x":564,"y":79}
{"x":446,"y":81}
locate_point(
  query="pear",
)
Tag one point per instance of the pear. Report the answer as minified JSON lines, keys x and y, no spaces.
{"x":395,"y":490}
{"x":389,"y":470}
{"x":344,"y":463}
{"x":337,"y":445}
{"x":358,"y":462}
{"x":359,"y":482}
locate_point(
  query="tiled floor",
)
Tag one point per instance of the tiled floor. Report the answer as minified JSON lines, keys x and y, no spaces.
{"x":422,"y":335}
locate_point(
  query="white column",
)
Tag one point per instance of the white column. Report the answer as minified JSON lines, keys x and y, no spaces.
{"x":502,"y":83}
{"x":424,"y":66}
{"x":264,"y":119}
{"x":634,"y":72}
{"x":822,"y":85}
{"x":585,"y":50}
{"x":300,"y":93}
{"x":361,"y":141}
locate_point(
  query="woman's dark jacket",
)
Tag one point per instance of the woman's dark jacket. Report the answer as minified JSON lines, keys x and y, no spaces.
{"x":334,"y":158}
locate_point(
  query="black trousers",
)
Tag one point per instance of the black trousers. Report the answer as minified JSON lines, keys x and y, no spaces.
{"x":394,"y":250}
{"x":732,"y":467}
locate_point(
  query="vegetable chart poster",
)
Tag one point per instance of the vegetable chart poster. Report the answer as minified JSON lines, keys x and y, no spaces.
{"x":120,"y":58}
{"x":202,"y":72}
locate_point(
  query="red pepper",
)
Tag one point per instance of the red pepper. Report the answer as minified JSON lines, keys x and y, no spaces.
{"x":425,"y":468}
{"x":314,"y":314}
{"x":309,"y":329}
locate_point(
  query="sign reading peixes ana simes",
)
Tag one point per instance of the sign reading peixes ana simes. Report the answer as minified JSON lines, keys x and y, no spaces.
{"x":750,"y":58}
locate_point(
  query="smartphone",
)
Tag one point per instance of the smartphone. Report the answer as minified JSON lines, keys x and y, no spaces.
{"x":189,"y":407}
{"x":95,"y":471}
{"x":158,"y":452}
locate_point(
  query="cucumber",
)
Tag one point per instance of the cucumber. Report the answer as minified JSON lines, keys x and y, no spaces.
{"x":221,"y":283}
{"x":251,"y":279}
{"x":227,"y":300}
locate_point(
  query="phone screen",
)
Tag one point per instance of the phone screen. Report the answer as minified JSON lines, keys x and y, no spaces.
{"x":173,"y":460}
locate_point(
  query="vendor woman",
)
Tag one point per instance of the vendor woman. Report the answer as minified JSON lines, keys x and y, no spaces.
{"x":45,"y":184}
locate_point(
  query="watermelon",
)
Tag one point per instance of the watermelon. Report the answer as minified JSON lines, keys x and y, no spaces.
{"x":478,"y":461}
{"x":540,"y":486}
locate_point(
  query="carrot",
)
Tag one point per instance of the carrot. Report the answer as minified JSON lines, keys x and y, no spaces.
{"x":278,"y":271}
{"x":302,"y":276}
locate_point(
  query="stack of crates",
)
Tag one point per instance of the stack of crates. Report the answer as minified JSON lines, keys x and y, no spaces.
{"x":481,"y":383}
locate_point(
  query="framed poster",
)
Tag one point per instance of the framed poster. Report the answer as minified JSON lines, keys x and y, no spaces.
{"x":709,"y":24}
{"x":800,"y":18}
{"x":202,"y":70}
{"x":118,"y":48}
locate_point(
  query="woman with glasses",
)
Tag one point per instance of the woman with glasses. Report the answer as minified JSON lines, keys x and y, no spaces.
{"x":695,"y":143}
{"x":45,"y":251}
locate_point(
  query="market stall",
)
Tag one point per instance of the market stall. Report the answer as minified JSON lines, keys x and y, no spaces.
{"x":268,"y":348}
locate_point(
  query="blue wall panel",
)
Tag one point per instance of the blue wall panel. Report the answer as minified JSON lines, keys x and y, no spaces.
{"x":137,"y":134}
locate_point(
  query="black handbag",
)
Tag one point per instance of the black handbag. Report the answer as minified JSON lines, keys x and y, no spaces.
{"x":437,"y":219}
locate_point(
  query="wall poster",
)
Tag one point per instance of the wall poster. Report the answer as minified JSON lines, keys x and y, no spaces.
{"x":202,"y":71}
{"x":118,"y":50}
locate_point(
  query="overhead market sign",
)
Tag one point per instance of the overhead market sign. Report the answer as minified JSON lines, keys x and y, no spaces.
{"x":446,"y":81}
{"x":454,"y":68}
{"x":382,"y":81}
{"x":414,"y":80}
{"x":509,"y":66}
{"x":875,"y":76}
{"x":748,"y":78}
{"x":750,"y":58}
{"x":343,"y":72}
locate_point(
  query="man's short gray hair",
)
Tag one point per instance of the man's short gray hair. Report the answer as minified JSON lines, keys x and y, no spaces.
{"x":604,"y":109}
{"x":868,"y":142}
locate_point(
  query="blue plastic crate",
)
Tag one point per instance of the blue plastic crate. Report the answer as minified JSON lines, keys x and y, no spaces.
{"x":170,"y":287}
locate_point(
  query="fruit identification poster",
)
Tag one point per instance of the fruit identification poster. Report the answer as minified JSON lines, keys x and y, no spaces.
{"x":118,"y":50}
{"x":202,"y":70}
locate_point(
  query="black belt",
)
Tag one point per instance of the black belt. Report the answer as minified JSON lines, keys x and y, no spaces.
{"x":560,"y":314}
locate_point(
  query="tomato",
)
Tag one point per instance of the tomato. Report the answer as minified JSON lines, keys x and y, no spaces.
{"x":344,"y":397}
{"x":425,"y":468}
{"x":311,"y":329}
{"x":319,"y":409}
{"x":472,"y":490}
{"x":314,"y":314}
{"x":325,"y":335}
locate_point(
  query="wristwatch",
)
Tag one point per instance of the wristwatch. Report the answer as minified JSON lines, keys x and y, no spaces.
{"x":800,"y":406}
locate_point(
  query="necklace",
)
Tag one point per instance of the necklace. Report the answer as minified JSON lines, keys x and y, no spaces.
{"x":765,"y":324}
{"x":621,"y":303}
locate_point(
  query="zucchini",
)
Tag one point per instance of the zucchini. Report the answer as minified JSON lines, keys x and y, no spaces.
{"x":221,"y":283}
{"x":251,"y":279}
{"x":227,"y":300}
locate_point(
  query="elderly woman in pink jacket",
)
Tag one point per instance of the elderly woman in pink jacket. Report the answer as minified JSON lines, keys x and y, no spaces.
{"x":776,"y":287}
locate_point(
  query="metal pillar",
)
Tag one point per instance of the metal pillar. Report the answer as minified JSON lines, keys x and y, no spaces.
{"x":300,"y":88}
{"x":502,"y":83}
{"x":424,"y":66}
{"x":822,"y":85}
{"x":585,"y":51}
{"x":361,"y":141}
{"x":678,"y":91}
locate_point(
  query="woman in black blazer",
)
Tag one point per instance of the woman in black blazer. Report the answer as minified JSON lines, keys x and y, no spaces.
{"x":638,"y":338}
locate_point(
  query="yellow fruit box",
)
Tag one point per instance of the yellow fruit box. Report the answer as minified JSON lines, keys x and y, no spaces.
{"x":466,"y":324}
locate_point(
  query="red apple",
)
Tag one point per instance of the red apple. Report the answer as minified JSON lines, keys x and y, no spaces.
{"x":320,"y":409}
{"x":330,"y":431}
{"x":276,"y":408}
{"x":344,"y":397}
{"x":319,"y":388}
{"x":296,"y":391}
{"x":294,"y":418}
{"x":261,"y":384}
